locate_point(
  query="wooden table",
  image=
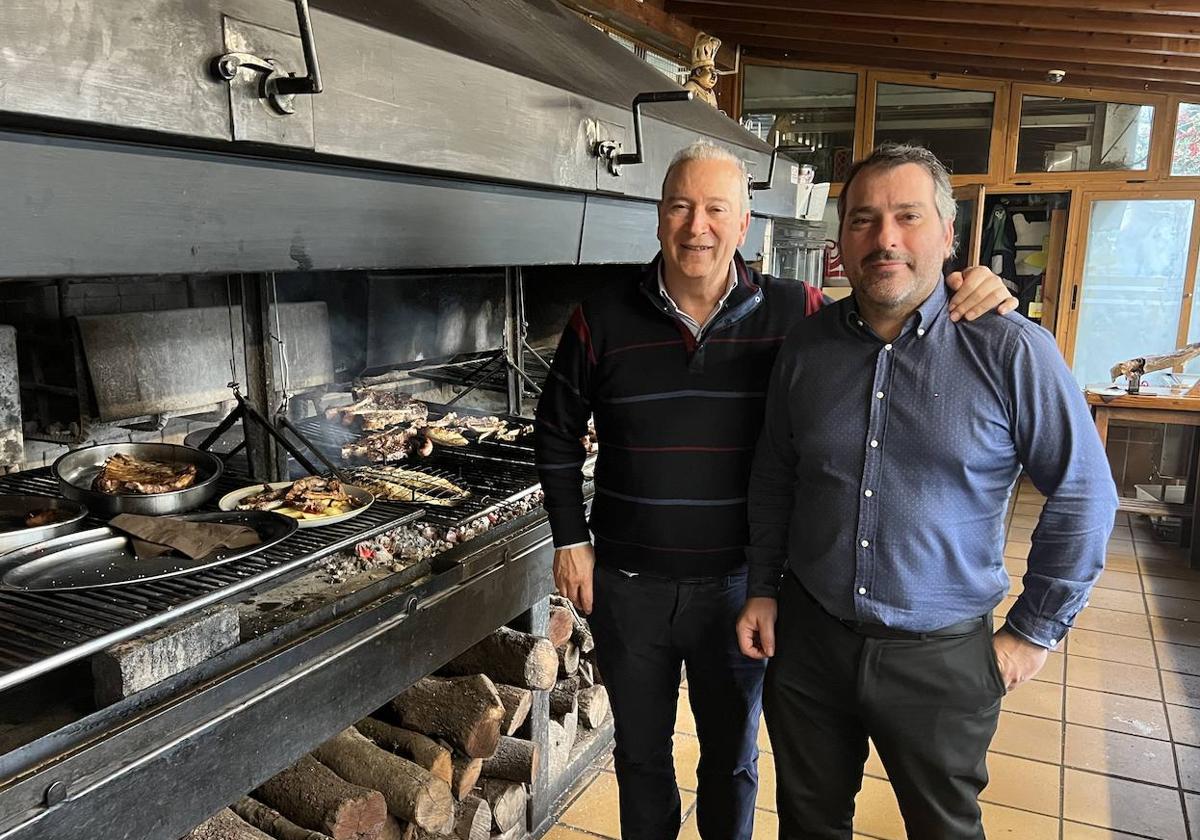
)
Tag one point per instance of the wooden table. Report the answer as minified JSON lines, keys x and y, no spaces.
{"x":1176,"y":406}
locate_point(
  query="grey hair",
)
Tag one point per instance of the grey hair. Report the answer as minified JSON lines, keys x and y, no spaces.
{"x":891,"y":155}
{"x":706,"y":150}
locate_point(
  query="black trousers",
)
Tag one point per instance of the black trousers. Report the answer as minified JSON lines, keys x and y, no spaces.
{"x":930,"y":705}
{"x":645,"y":629}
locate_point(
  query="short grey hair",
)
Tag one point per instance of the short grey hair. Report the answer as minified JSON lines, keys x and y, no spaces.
{"x":707,"y":150}
{"x":891,"y":155}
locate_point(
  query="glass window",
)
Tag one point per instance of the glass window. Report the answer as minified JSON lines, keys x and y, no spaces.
{"x":956,"y":125}
{"x":1133,"y":275}
{"x":1080,"y":135}
{"x":813,"y":109}
{"x":1186,"y":159}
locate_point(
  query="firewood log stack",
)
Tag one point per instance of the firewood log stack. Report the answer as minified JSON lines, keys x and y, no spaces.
{"x":578,"y":701}
{"x":442,"y":760}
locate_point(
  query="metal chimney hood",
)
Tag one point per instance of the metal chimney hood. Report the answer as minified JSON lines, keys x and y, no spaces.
{"x":448,"y":133}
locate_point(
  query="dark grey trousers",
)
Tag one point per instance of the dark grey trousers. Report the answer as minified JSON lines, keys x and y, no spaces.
{"x":930,"y":705}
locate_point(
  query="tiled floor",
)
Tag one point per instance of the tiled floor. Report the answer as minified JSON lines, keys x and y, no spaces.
{"x":1103,"y":745}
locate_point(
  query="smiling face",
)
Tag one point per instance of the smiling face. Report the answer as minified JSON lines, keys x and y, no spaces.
{"x":702,"y":220}
{"x":893,"y":242}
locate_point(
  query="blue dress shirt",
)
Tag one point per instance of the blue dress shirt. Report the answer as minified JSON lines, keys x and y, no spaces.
{"x":883,"y":473}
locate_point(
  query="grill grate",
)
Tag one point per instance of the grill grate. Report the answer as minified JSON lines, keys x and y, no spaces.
{"x":494,"y":376}
{"x":42,"y":631}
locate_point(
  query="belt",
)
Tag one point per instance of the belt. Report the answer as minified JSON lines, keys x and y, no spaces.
{"x":695,"y":581}
{"x":882,"y":631}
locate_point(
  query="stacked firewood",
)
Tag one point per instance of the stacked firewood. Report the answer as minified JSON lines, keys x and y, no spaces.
{"x":442,"y":760}
{"x":579,"y":700}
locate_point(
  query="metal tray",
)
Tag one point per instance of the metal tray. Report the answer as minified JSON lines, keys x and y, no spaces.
{"x":76,"y":470}
{"x":104,"y":557}
{"x":13,"y":507}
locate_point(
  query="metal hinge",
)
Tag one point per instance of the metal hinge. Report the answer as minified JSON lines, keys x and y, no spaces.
{"x":278,"y":86}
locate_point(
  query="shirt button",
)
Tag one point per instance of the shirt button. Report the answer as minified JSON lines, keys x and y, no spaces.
{"x":859,"y":323}
{"x":920,"y":331}
{"x":864,"y":543}
{"x":868,"y":493}
{"x":887,"y":347}
{"x":874,"y":444}
{"x":862,"y":590}
{"x":879,"y":395}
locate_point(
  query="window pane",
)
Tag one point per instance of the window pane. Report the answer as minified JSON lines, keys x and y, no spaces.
{"x":956,"y":125}
{"x":1186,"y":160}
{"x":810,"y":108}
{"x":1080,"y":135}
{"x":1132,"y":283}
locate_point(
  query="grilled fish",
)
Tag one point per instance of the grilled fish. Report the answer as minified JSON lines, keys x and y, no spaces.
{"x":403,"y":485}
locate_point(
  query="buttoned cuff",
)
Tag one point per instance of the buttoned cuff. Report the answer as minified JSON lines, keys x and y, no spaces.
{"x":759,"y":585}
{"x":1043,"y":632}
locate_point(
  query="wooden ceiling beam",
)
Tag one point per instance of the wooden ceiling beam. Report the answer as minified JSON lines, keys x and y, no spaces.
{"x":878,"y":54}
{"x":652,"y":25}
{"x":947,"y":71}
{"x":976,"y":14}
{"x":718,"y":17}
{"x":986,"y":43}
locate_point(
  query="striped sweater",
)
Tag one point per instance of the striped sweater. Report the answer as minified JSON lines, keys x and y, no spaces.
{"x":677,"y":419}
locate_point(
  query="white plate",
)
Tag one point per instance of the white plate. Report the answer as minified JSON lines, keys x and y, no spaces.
{"x":230,"y":501}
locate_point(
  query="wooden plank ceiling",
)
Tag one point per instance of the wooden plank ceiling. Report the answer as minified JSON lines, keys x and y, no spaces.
{"x":1145,"y":45}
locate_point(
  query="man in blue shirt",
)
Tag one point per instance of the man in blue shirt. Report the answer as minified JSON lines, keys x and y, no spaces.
{"x":877,"y":502}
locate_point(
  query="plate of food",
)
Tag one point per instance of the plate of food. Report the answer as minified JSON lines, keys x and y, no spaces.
{"x":313,"y":501}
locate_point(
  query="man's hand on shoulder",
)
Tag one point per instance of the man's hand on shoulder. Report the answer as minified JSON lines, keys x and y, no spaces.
{"x":978,"y":291}
{"x":756,"y":628}
{"x":573,"y":569}
{"x":1019,"y":659}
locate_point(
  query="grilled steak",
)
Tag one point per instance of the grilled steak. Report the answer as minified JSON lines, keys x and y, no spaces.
{"x":378,"y":409}
{"x":389,"y":445}
{"x":124,"y":474}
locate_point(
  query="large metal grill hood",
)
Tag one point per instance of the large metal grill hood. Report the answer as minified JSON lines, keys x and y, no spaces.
{"x":449,"y":133}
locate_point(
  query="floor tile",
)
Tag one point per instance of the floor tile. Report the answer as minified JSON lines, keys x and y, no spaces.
{"x":1023,"y":521}
{"x":1125,"y":581}
{"x":561,"y":832}
{"x":999,"y":821}
{"x":1185,"y":724}
{"x":1108,"y":802}
{"x":1111,"y":647}
{"x":1172,"y":587}
{"x":1117,"y":712}
{"x":1119,"y":754}
{"x":876,"y":812}
{"x":1174,"y":630}
{"x":1017,"y":550}
{"x":1182,"y":658}
{"x":1113,"y":621}
{"x":596,"y":808}
{"x":685,"y":722}
{"x":1020,"y":535}
{"x":1078,"y":831}
{"x":1168,"y":569}
{"x":1121,"y":561}
{"x":1181,"y":689}
{"x":764,"y":737}
{"x":874,"y":766}
{"x":1116,"y":599}
{"x":1054,"y":669}
{"x":1029,"y":737}
{"x":1192,"y":804}
{"x":1022,"y":783}
{"x":1035,"y":697}
{"x":687,"y":756}
{"x":1189,"y":767}
{"x":1116,"y":677}
{"x":1184,"y":609}
{"x":1162,"y":551}
{"x":766,"y":782}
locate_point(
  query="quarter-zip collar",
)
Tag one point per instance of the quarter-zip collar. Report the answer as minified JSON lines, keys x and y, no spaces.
{"x":742,"y":299}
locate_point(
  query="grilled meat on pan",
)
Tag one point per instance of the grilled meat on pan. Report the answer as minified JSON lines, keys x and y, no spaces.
{"x":129,"y":475}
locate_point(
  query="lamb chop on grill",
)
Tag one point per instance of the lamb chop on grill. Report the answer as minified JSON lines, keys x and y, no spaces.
{"x":125,"y":474}
{"x":379,"y":409}
{"x":390,"y":445}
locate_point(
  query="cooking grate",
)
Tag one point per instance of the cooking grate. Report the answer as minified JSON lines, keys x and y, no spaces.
{"x":43,"y":631}
{"x":485,"y":372}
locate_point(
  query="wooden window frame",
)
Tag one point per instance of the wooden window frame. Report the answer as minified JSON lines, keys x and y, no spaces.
{"x":1000,"y":111}
{"x":860,"y":84}
{"x":1073,"y":264}
{"x":1158,"y":134}
{"x":1168,"y":144}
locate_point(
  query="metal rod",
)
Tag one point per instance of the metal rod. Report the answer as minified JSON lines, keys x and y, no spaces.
{"x":333,"y":468}
{"x":311,"y":81}
{"x":647,"y":99}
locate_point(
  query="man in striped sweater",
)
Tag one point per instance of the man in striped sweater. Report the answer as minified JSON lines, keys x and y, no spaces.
{"x":674,"y":368}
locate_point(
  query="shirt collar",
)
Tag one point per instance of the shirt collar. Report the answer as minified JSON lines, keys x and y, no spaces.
{"x":733,"y":282}
{"x":921,"y":320}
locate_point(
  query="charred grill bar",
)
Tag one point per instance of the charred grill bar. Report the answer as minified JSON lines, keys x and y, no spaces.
{"x":451,"y":138}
